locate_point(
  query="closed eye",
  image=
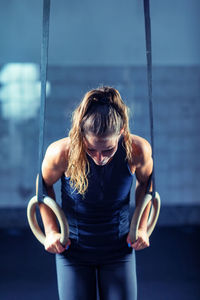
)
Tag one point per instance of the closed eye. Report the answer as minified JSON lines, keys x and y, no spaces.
{"x":108,"y":151}
{"x":104,"y":151}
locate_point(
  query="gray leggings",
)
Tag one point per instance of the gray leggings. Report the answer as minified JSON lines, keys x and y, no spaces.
{"x":110,"y":281}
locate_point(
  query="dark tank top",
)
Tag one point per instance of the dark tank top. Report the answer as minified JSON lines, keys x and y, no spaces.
{"x":99,"y":220}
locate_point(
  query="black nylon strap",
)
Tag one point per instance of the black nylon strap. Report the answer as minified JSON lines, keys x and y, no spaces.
{"x":149,"y":79}
{"x":43,"y":74}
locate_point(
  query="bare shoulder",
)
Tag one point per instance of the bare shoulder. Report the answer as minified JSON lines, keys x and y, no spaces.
{"x":141,"y":149}
{"x":57,"y":152}
{"x":55,"y":161}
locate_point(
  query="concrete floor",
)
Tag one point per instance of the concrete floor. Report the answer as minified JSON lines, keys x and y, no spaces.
{"x":168,"y":270}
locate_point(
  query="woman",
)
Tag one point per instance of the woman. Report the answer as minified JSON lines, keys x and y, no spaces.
{"x":96,"y":164}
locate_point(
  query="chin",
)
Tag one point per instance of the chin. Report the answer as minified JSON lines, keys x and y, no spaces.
{"x":101,"y":164}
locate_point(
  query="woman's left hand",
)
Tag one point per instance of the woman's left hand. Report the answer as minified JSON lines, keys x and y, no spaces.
{"x":142,"y":241}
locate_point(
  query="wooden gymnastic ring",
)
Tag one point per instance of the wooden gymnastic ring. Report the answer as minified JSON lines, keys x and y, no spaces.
{"x":153,"y":217}
{"x":31,"y":215}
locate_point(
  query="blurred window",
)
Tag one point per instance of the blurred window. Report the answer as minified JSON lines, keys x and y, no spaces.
{"x":20,"y":90}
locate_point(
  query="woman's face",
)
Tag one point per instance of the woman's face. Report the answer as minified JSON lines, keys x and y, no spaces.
{"x":101,"y":149}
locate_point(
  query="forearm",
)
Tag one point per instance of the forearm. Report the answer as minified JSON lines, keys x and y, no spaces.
{"x":139,"y":195}
{"x":48,"y":217}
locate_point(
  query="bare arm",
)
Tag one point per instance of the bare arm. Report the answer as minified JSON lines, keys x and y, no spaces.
{"x":53,"y":166}
{"x":143,"y":168}
{"x":143,"y":172}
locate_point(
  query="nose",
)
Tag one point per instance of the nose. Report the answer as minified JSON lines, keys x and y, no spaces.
{"x":99,"y":157}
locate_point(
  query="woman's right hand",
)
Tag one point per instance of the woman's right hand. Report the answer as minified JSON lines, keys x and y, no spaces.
{"x":52,"y":243}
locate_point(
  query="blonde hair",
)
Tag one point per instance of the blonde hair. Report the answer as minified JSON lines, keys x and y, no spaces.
{"x":101,"y":112}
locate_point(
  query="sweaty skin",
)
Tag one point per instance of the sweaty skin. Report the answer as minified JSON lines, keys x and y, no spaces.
{"x":101,"y":150}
